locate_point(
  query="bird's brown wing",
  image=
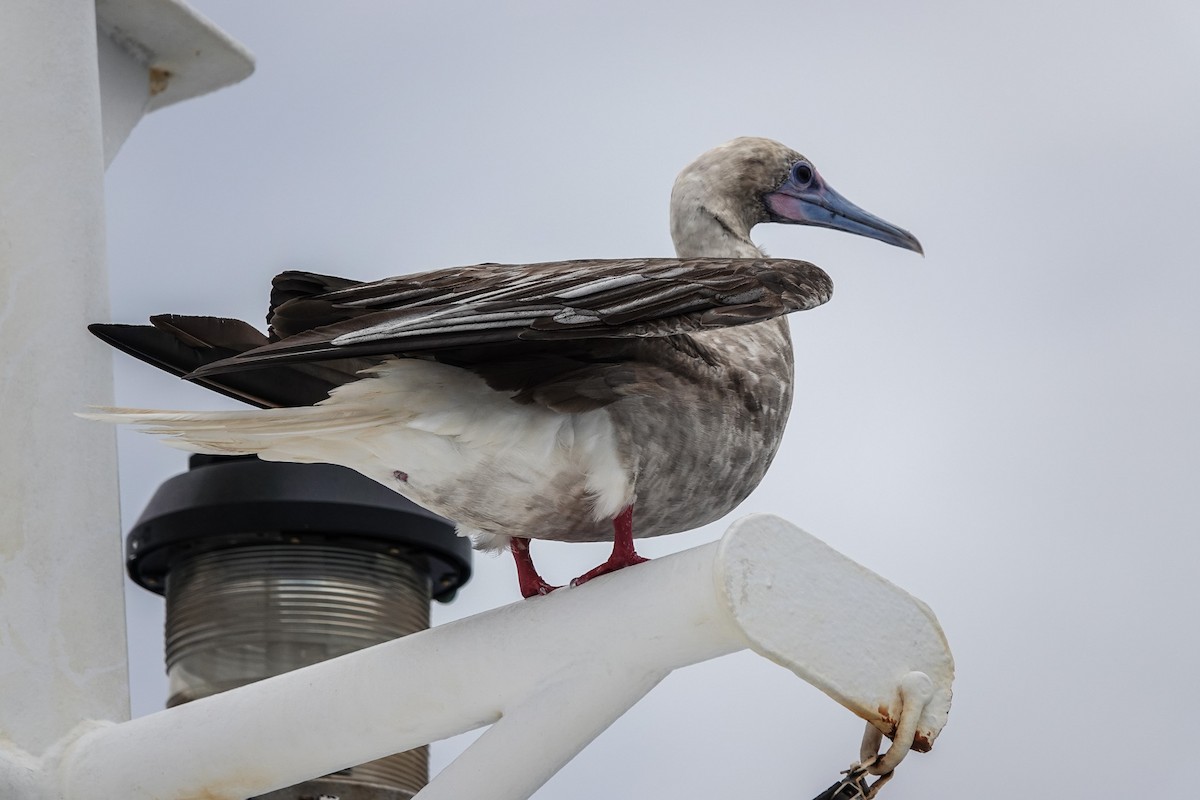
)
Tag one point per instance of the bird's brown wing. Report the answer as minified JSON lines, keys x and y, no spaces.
{"x":486,"y":305}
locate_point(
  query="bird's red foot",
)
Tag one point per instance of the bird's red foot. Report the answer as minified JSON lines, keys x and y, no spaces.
{"x":531,"y":583}
{"x":623,"y":552}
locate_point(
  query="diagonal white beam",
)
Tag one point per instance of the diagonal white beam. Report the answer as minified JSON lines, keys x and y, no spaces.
{"x":534,"y":740}
{"x":555,"y":671}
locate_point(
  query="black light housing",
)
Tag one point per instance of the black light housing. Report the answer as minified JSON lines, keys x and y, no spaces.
{"x":268,"y":567}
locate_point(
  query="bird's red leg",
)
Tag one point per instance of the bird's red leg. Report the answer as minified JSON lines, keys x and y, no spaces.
{"x":623,"y":552}
{"x":530,"y":581}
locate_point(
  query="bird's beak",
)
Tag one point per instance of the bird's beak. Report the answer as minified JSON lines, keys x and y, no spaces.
{"x":818,"y":204}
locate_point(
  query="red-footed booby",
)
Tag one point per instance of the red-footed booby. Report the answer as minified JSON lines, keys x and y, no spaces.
{"x":543,"y":401}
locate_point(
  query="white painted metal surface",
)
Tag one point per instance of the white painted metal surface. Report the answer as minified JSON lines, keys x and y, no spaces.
{"x":157,"y":52}
{"x":551,"y":673}
{"x":124,"y":92}
{"x":62,"y":633}
{"x":846,"y":635}
{"x":62,"y":625}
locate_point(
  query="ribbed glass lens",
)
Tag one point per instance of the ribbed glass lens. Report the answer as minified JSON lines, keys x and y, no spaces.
{"x":239,"y":615}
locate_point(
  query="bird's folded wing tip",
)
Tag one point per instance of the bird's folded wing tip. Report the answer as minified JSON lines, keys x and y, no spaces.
{"x":209,"y":369}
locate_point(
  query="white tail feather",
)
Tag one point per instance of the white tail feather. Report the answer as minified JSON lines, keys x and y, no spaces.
{"x":425,"y":430}
{"x":240,"y":432}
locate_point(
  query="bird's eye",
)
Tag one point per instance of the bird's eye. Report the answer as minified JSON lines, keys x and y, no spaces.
{"x":802,"y":173}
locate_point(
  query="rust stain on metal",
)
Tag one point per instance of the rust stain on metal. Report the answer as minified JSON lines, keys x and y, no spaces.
{"x":223,"y":789}
{"x":920,"y":742}
{"x":214,"y":793}
{"x":885,"y":717}
{"x":159,"y":78}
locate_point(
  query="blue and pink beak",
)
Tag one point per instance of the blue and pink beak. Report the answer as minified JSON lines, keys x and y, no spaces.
{"x":805,"y":199}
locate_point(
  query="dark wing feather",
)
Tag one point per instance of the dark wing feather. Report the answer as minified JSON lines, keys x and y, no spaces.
{"x":179,"y":345}
{"x":289,"y":290}
{"x":490,"y":304}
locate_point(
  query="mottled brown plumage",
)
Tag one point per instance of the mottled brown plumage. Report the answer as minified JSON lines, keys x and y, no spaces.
{"x":537,"y":400}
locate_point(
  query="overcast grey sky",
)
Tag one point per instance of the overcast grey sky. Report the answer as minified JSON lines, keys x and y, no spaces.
{"x":1007,"y":428}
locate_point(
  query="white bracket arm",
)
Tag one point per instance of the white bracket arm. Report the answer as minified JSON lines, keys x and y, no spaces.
{"x":551,"y":673}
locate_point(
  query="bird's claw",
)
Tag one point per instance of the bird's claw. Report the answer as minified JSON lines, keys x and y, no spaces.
{"x":612,"y":565}
{"x":536,"y":588}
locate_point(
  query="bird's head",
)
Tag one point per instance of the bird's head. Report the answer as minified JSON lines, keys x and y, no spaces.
{"x":749,"y":180}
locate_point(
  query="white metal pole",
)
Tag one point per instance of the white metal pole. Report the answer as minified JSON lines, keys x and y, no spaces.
{"x":62,"y":624}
